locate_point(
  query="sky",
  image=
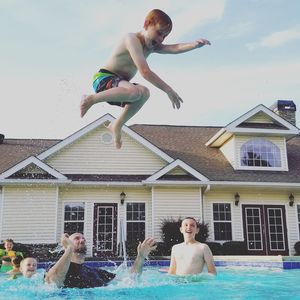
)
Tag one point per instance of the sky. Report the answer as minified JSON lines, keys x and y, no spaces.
{"x":50,"y":49}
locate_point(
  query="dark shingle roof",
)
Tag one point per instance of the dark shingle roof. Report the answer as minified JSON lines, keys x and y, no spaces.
{"x":188,"y":144}
{"x":13,"y":151}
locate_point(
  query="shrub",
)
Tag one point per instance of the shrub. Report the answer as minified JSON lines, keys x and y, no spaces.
{"x":234,"y":248}
{"x":216,"y":248}
{"x":297,"y":248}
{"x":171,"y":234}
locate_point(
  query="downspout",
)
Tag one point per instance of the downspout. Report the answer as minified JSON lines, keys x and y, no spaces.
{"x":206,"y":190}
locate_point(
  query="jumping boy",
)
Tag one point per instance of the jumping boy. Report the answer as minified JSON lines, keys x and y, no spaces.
{"x":189,"y":257}
{"x":112,"y":82}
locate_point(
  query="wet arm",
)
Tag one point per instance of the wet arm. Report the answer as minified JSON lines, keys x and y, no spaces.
{"x":136,"y":52}
{"x":143,"y":251}
{"x":172,"y":268}
{"x":182,"y":47}
{"x":58,"y":272}
{"x":209,"y":260}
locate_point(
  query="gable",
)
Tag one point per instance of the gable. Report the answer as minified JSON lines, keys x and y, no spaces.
{"x":95,"y":153}
{"x":261,"y":120}
{"x":257,"y":122}
{"x":31,"y":169}
{"x":176,"y":172}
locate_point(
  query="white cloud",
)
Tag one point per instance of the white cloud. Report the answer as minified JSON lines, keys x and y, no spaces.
{"x":276,"y":39}
{"x":192,"y":16}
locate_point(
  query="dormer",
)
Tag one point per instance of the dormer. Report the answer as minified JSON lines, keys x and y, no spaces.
{"x":257,"y":139}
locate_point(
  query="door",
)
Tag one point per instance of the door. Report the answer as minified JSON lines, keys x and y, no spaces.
{"x":265,"y":230}
{"x":105,"y":229}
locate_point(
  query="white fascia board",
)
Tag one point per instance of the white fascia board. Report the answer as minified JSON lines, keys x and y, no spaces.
{"x":262,"y":131}
{"x":105,"y":183}
{"x":215,"y":137}
{"x":171,"y":166}
{"x":175,"y":182}
{"x":32,"y":160}
{"x":255,"y":184}
{"x":34,"y":181}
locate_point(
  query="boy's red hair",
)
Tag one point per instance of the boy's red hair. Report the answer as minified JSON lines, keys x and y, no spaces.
{"x":158,"y":16}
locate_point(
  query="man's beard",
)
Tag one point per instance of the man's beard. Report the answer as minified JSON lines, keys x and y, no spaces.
{"x":81,"y":250}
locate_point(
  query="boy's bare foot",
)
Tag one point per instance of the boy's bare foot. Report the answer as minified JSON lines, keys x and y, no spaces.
{"x":117,"y":135}
{"x":85,"y":104}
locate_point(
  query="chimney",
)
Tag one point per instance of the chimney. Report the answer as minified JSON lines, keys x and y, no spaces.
{"x":1,"y":138}
{"x":286,"y":109}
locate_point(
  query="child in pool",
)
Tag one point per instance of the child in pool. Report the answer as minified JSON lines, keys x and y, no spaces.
{"x":28,"y":267}
{"x":7,"y":254}
{"x":112,"y":82}
{"x":16,"y":261}
{"x":189,"y":257}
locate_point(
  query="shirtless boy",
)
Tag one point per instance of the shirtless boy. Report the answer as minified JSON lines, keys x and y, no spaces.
{"x":112,"y":82}
{"x":189,"y":257}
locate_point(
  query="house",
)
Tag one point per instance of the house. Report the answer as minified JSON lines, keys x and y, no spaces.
{"x":242,"y":179}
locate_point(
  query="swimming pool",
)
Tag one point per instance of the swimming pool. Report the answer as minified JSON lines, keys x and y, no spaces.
{"x":231,"y":283}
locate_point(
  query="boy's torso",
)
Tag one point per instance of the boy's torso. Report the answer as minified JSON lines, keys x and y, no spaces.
{"x":121,"y":62}
{"x":189,"y":258}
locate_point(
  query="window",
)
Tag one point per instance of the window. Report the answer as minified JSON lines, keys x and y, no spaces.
{"x":298,"y":208}
{"x":136,"y":221}
{"x":74,"y":217}
{"x":222,"y":221}
{"x":260,"y":153}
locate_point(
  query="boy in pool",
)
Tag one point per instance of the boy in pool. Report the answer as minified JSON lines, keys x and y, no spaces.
{"x":112,"y":82}
{"x":28,"y":267}
{"x":189,"y":257}
{"x":70,"y":270}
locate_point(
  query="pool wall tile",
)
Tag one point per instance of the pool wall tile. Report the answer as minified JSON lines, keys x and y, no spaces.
{"x":251,"y":262}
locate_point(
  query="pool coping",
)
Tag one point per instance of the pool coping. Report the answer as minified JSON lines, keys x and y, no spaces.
{"x":283,"y":262}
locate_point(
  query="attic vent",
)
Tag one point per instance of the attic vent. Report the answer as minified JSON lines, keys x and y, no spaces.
{"x":106,"y":138}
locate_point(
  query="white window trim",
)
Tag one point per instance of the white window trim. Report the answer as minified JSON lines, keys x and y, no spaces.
{"x":145,"y":221}
{"x":225,"y":221}
{"x":63,"y":214}
{"x":254,"y":168}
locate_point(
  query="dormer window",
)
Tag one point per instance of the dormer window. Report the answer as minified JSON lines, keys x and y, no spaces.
{"x":259,"y":152}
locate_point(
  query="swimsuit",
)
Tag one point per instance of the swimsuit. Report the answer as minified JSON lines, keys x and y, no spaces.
{"x":105,"y":80}
{"x":82,"y":276}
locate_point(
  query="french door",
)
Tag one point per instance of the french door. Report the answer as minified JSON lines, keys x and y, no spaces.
{"x":265,"y":229}
{"x":105,"y":229}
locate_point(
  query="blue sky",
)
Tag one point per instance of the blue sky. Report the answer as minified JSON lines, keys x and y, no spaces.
{"x":50,"y":50}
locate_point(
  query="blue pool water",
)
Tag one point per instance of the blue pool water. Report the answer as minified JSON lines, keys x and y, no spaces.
{"x":230,"y":283}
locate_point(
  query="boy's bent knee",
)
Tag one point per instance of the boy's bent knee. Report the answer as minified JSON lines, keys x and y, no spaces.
{"x":145,"y":93}
{"x":139,"y":92}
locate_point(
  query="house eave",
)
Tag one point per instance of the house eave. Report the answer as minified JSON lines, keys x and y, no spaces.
{"x":33,"y":182}
{"x":174,"y":182}
{"x":105,"y":183}
{"x":274,"y":185}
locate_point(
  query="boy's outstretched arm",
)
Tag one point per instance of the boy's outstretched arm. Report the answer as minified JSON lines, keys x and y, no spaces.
{"x":136,"y":52}
{"x":143,"y":251}
{"x":58,"y":272}
{"x":181,"y":47}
